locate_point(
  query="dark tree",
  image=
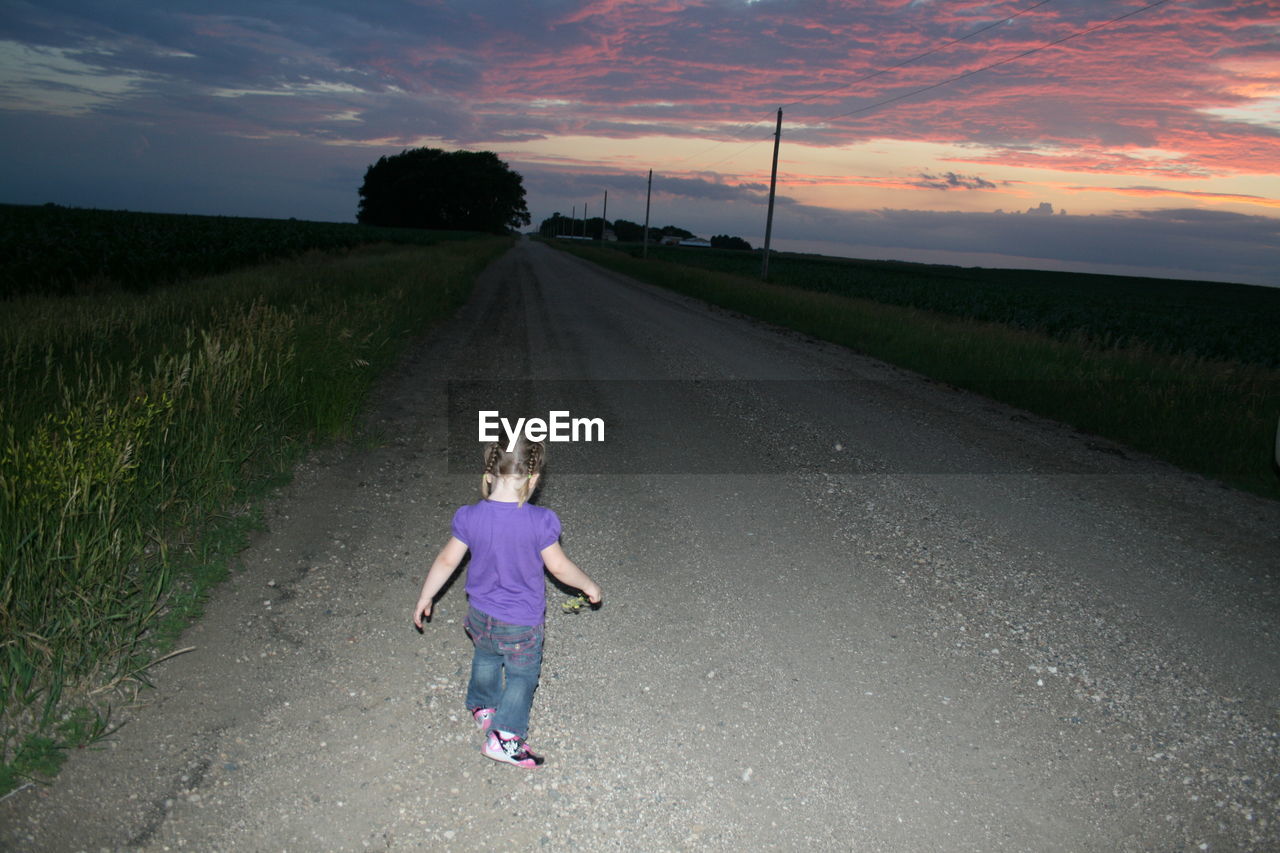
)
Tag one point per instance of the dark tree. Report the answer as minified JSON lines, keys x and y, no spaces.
{"x":431,"y":188}
{"x":591,"y":228}
{"x":724,"y":241}
{"x":630,"y":232}
{"x":625,"y":230}
{"x":557,"y":225}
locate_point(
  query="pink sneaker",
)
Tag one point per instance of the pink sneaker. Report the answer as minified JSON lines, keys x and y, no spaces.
{"x":510,"y":749}
{"x":483,"y":718}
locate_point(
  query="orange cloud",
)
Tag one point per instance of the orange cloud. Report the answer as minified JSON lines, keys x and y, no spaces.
{"x":1166,"y":192}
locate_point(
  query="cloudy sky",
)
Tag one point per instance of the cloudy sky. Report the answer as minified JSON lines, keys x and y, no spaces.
{"x":1138,"y":136}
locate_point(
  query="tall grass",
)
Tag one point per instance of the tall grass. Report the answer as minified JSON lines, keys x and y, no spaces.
{"x":1214,"y":417}
{"x":129,"y":421}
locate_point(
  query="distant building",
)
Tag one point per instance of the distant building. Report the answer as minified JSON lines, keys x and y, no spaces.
{"x":673,"y":240}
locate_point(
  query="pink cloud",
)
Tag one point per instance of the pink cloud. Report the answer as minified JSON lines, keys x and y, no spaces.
{"x":1177,"y":91}
{"x":1165,"y":192}
{"x":1146,"y":83}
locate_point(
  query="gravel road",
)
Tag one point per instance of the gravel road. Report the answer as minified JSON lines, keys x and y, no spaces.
{"x":846,"y":609}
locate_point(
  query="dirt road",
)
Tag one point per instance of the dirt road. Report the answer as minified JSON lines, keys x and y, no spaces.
{"x":846,"y":609}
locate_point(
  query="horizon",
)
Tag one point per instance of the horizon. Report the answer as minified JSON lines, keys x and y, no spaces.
{"x":1107,"y":136}
{"x":956,"y":260}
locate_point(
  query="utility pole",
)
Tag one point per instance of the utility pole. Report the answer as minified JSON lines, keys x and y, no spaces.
{"x":573,"y":223}
{"x":604,"y":217}
{"x":644,"y":250}
{"x":773,"y":185}
{"x":584,"y":219}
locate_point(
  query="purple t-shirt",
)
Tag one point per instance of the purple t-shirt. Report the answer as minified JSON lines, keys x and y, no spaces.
{"x":504,"y":578}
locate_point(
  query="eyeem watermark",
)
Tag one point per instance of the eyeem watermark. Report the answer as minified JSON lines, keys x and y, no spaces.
{"x":559,"y":426}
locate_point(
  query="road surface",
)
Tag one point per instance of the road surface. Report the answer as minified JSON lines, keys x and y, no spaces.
{"x":846,"y":609}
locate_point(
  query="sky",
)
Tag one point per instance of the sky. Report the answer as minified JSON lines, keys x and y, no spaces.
{"x":1125,"y":136}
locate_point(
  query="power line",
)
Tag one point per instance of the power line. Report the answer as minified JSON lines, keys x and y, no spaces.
{"x":736,"y":153}
{"x":741,"y":130}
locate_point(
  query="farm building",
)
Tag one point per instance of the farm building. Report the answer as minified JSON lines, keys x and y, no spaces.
{"x":672,"y":240}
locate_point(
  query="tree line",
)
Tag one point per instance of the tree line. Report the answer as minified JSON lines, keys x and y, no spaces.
{"x":475,"y":191}
{"x":626,"y":231}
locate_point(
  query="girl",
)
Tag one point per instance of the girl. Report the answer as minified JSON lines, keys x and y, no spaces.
{"x":510,"y":541}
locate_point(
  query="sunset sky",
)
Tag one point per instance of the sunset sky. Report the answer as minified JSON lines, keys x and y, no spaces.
{"x":1031,"y":133}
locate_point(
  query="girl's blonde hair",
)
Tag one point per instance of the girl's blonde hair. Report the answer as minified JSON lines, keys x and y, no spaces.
{"x":525,"y":461}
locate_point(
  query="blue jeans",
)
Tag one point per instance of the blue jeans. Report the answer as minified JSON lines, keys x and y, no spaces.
{"x":503,"y":649}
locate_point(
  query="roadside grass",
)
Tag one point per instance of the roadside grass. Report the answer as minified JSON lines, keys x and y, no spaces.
{"x":1215,"y":417}
{"x":138,"y":434}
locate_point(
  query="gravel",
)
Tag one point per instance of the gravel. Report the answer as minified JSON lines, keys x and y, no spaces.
{"x":846,"y":608}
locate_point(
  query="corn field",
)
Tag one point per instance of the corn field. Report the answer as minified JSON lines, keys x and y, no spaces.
{"x":128,"y":421}
{"x":52,"y":249}
{"x":1206,"y":320}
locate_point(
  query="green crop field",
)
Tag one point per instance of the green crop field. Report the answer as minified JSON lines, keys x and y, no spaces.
{"x":52,"y":249}
{"x":137,"y":425}
{"x":1232,"y":322}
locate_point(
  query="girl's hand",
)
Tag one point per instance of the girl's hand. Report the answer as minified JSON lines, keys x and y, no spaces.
{"x":593,"y":592}
{"x":421,"y":612}
{"x":446,"y":563}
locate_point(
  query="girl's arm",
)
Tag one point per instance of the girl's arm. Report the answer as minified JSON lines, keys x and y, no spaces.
{"x":446,"y":563}
{"x":567,"y":572}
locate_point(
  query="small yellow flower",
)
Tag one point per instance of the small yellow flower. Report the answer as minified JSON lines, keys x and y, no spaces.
{"x":573,"y":605}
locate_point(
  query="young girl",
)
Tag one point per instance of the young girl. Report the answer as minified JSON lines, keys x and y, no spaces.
{"x":510,"y":541}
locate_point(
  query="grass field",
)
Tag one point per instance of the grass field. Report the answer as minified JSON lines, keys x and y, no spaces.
{"x":1148,"y":384}
{"x":58,"y":250}
{"x":136,"y":428}
{"x":1231,"y":322}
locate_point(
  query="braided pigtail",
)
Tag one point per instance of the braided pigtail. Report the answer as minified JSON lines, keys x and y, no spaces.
{"x":535,"y":456}
{"x":492,"y":458}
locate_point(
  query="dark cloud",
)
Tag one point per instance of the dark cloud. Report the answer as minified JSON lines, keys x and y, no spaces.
{"x":632,"y":186}
{"x":701,"y":189}
{"x":177,"y":170}
{"x":1190,"y":243}
{"x":952,"y":181}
